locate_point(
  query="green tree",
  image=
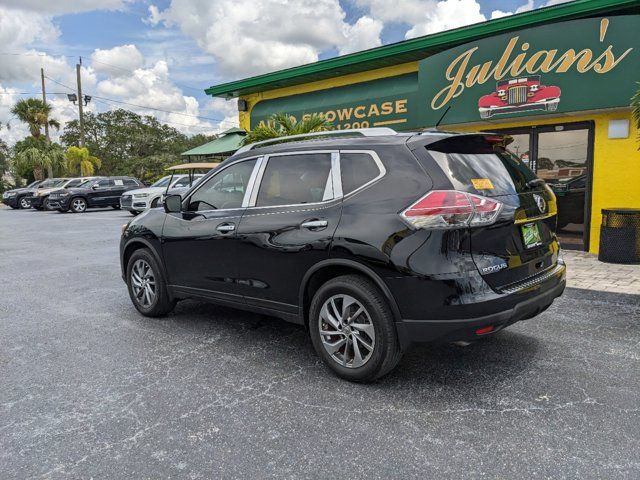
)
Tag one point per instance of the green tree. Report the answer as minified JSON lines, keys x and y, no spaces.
{"x":36,"y":154}
{"x":78,"y":160}
{"x":283,"y":124}
{"x":35,"y":113}
{"x":128,"y":143}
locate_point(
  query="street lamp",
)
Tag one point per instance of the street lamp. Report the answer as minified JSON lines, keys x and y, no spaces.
{"x":72,"y":97}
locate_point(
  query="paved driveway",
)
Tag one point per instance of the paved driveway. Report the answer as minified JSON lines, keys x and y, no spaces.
{"x":89,"y":388}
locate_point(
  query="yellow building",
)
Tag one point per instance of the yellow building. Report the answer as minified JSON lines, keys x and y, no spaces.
{"x":558,"y":80}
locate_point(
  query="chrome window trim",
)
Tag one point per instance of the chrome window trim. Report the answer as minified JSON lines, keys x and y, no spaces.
{"x":336,"y":176}
{"x":257,"y":169}
{"x":258,"y":183}
{"x":376,"y":159}
{"x":257,"y":158}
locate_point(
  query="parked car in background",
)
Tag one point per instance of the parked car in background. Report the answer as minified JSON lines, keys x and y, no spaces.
{"x":97,"y":193}
{"x":137,"y":201}
{"x":18,"y":198}
{"x":40,"y":197}
{"x":371,"y":239}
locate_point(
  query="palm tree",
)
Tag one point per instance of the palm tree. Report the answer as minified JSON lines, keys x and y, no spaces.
{"x":40,"y":157}
{"x":635,"y":105}
{"x":79,"y":159}
{"x":283,"y":124}
{"x":35,"y":113}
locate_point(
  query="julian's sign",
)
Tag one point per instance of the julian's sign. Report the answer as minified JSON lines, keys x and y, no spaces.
{"x":570,"y":66}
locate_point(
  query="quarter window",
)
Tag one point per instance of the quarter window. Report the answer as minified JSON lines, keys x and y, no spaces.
{"x":296,"y":179}
{"x":225,"y":189}
{"x":130,"y":182}
{"x":357,"y":169}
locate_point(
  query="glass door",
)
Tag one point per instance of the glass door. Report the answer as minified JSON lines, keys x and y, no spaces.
{"x":561,"y":155}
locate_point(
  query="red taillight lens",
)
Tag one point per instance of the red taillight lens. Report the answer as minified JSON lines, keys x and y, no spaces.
{"x":452,"y":209}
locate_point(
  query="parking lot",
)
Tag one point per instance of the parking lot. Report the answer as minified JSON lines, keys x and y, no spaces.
{"x":90,"y":388}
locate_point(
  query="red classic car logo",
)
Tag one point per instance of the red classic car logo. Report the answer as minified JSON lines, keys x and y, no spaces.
{"x":519,"y":95}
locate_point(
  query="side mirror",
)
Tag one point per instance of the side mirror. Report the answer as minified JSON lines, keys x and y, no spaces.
{"x":173,"y":203}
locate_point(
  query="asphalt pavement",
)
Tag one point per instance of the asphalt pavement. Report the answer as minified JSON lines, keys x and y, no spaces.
{"x":91,"y":389}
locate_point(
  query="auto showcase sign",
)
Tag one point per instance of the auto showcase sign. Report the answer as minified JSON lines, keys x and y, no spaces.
{"x":563,"y":67}
{"x":377,"y":103}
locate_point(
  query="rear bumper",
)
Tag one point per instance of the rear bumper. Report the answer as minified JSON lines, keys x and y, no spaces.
{"x":525,"y":304}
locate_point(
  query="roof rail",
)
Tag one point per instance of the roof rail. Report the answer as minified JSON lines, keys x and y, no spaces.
{"x":365,"y":132}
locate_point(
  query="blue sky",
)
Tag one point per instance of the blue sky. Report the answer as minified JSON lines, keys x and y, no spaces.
{"x":163,"y":53}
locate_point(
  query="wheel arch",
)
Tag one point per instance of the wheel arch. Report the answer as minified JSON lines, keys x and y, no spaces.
{"x":323,"y":271}
{"x":138,"y":243}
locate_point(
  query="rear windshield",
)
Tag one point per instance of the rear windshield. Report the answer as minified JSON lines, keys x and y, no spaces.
{"x":474,"y":164}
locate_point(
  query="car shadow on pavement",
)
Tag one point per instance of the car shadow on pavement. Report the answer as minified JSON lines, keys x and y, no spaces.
{"x":498,"y":358}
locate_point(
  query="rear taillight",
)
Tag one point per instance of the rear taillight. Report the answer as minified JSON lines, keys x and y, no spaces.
{"x":452,"y":209}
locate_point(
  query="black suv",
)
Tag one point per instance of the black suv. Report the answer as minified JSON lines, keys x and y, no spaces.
{"x":98,"y":192}
{"x":18,"y":198}
{"x":373,"y":240}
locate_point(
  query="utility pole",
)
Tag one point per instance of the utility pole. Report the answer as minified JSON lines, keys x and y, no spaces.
{"x":80,"y":101}
{"x":46,"y":125}
{"x":44,"y":100}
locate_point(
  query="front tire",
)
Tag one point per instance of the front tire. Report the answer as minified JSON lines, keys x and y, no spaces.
{"x":45,"y":204}
{"x":78,"y":205}
{"x":147,"y":285}
{"x":353,"y":330}
{"x":24,"y":203}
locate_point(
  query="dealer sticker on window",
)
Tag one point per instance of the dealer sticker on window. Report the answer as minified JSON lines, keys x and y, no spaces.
{"x":531,"y":235}
{"x":482,"y":184}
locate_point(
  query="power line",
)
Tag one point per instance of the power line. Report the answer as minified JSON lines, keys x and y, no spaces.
{"x":164,"y":121}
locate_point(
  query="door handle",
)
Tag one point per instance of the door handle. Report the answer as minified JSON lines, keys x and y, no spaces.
{"x":226,"y":227}
{"x":314,"y":224}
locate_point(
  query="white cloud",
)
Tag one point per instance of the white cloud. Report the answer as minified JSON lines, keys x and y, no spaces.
{"x":117,"y":60}
{"x":58,"y":7}
{"x":446,"y":15}
{"x":152,"y":87}
{"x":522,"y":8}
{"x":247,"y":37}
{"x":364,"y":34}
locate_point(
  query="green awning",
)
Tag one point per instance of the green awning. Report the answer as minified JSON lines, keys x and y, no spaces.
{"x":228,"y":142}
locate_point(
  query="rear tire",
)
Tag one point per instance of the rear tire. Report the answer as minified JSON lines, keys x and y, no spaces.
{"x":147,"y":285}
{"x":115,"y":207}
{"x":367,"y":342}
{"x":78,"y":205}
{"x":134,"y":213}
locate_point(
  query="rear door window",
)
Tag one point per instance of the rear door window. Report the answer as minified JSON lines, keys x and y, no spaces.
{"x":296,"y":179}
{"x":474,"y":164}
{"x":357,"y":169}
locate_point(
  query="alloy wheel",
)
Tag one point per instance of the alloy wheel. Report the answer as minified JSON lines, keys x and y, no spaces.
{"x":79,"y":205}
{"x":143,"y":282}
{"x":24,"y":203}
{"x":346,"y":331}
